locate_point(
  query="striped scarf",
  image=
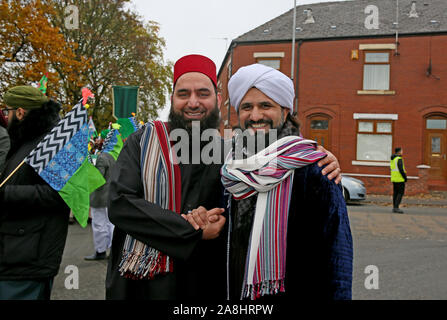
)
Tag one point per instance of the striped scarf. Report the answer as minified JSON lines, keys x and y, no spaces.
{"x":162,"y":186}
{"x":269,"y":174}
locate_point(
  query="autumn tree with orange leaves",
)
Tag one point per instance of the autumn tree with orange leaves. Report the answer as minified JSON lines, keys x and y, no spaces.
{"x":30,"y":46}
{"x":111,"y":45}
{"x":122,"y":49}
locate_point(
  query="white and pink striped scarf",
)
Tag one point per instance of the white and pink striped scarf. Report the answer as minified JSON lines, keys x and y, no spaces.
{"x":269,"y":174}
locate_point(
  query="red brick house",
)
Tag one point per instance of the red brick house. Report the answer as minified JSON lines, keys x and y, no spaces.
{"x":367,"y":80}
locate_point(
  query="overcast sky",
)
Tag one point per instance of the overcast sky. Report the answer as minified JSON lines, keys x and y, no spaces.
{"x":201,"y":26}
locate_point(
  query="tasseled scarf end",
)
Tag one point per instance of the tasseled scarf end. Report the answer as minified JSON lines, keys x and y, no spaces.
{"x":267,"y":287}
{"x":138,"y":266}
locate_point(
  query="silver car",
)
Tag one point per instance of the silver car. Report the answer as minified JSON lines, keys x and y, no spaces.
{"x":353,"y":189}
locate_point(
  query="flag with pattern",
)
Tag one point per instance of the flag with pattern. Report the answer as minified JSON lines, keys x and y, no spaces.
{"x":91,"y":129}
{"x":113,"y":143}
{"x":61,"y":160}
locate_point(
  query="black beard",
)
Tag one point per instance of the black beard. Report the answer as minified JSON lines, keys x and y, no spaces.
{"x":253,"y":142}
{"x":251,"y":145}
{"x":177,"y":121}
{"x":249,"y":123}
{"x":14,"y":126}
{"x":35,"y":123}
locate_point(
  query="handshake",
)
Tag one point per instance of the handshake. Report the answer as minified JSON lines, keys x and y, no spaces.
{"x":210,"y":221}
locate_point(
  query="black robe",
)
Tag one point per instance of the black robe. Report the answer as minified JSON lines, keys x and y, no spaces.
{"x":319,"y":258}
{"x":199,"y":265}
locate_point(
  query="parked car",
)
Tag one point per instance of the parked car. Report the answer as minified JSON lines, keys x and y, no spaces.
{"x":353,"y":189}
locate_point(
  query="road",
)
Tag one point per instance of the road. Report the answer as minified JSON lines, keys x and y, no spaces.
{"x":409,"y":251}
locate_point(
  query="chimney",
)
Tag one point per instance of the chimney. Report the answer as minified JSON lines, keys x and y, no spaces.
{"x":309,"y":16}
{"x":413,"y":12}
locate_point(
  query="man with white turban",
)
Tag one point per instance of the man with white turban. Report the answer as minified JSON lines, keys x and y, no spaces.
{"x":271,"y":82}
{"x":290,"y":232}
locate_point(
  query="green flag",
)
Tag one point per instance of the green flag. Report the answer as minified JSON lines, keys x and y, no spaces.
{"x":128,"y":126}
{"x":43,"y":83}
{"x":61,"y":159}
{"x":88,"y":179}
{"x":125,"y":101}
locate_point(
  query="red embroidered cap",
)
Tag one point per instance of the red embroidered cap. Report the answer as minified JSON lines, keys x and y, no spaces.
{"x":195,"y":63}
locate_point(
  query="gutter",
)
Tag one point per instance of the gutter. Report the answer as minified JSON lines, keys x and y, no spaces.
{"x":358,"y":37}
{"x":236,"y":42}
{"x":233,"y":44}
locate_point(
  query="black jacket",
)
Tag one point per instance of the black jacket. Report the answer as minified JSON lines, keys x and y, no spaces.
{"x":33,"y":220}
{"x":319,"y":259}
{"x":199,"y":265}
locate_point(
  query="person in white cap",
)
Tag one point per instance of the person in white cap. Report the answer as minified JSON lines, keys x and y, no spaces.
{"x":290,"y":234}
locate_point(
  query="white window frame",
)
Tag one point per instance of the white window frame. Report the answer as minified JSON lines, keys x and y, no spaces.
{"x":375,"y":69}
{"x":375,"y":119}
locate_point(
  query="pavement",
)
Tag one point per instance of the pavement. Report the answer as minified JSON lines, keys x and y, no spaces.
{"x":408,"y":250}
{"x":433,"y":199}
{"x":89,"y":276}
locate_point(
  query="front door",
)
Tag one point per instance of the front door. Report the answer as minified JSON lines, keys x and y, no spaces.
{"x":436,"y":147}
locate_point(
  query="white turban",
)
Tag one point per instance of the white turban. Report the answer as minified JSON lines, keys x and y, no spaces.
{"x":273,"y":83}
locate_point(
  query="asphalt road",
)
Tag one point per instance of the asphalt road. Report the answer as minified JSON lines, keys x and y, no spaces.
{"x":407,"y":252}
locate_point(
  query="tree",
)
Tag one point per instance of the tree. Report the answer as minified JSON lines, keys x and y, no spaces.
{"x":30,"y":46}
{"x":121,"y":50}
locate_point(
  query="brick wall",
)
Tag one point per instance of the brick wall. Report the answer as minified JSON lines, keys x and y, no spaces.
{"x":329,"y":81}
{"x":384,"y":186}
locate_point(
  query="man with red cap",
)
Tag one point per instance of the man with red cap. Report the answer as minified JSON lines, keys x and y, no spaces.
{"x":156,"y":253}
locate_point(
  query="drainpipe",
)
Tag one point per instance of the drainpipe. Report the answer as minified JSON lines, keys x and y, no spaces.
{"x":297,"y":78}
{"x":293,"y":43}
{"x":229,"y":76}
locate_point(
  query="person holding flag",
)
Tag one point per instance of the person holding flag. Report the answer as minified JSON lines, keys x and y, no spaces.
{"x":47,"y":173}
{"x":33,"y":216}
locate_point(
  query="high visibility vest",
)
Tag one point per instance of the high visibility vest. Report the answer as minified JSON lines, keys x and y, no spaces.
{"x":395,"y":173}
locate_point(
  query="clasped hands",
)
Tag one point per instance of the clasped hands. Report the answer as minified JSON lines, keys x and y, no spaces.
{"x":210,"y":221}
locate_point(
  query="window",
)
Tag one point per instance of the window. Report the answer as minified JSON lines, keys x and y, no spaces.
{"x":376,"y":71}
{"x":319,"y":124}
{"x":436,"y":144}
{"x":436,"y":124}
{"x":274,"y":63}
{"x":374,"y":140}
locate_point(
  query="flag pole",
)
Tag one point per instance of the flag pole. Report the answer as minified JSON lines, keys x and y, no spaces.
{"x":12,"y":173}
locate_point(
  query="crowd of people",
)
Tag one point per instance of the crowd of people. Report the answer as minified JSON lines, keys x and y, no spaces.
{"x":268,"y":227}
